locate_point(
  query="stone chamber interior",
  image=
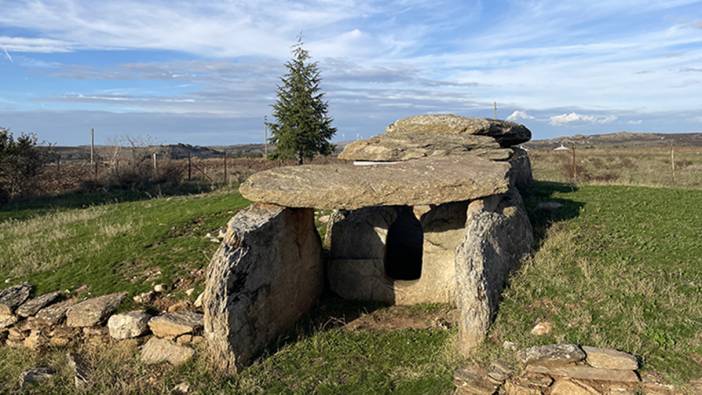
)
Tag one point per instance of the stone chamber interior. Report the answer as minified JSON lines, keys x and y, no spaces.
{"x":404,"y":247}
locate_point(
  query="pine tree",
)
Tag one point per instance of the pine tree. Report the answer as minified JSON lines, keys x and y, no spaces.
{"x":302,"y":128}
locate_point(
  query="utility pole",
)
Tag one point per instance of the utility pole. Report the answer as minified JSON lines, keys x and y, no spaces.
{"x":672,"y":159}
{"x":155,"y":166}
{"x":92,"y":145}
{"x":265,"y":136}
{"x":494,"y":110}
{"x":575,"y":167}
{"x":225,"y":167}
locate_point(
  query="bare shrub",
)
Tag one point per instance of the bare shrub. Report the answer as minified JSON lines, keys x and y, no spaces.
{"x":20,"y":164}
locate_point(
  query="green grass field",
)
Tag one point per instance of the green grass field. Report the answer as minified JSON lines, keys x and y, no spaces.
{"x":616,"y":266}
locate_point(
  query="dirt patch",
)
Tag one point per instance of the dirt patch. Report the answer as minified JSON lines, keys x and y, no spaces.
{"x":405,"y":317}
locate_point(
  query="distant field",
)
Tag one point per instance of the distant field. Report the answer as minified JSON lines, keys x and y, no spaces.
{"x":617,"y":266}
{"x":616,"y":165}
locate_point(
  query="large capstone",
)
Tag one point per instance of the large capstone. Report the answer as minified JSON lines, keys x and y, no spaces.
{"x":498,"y":235}
{"x":265,"y":276}
{"x":417,"y":182}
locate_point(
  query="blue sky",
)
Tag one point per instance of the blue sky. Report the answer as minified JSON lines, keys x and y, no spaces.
{"x":206,"y":72}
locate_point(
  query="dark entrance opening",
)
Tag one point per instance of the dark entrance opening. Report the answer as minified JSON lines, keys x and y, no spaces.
{"x":403,"y":249}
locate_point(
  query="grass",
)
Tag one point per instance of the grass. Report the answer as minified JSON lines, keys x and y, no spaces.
{"x":616,"y":266}
{"x":124,"y":246}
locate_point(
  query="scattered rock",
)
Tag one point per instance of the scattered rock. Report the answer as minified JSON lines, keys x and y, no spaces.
{"x":35,"y":375}
{"x":7,"y":320}
{"x":552,"y":354}
{"x":35,"y":340}
{"x":610,"y":359}
{"x":567,"y":387}
{"x":517,"y":387}
{"x":32,"y":306}
{"x":473,"y":381}
{"x":55,"y":313}
{"x":178,"y":306}
{"x":161,"y":350}
{"x":184,"y":339}
{"x":93,"y":311}
{"x":176,"y":324}
{"x":182,"y":388}
{"x":160,"y":288}
{"x":79,"y":369}
{"x":11,"y":298}
{"x":323,"y":219}
{"x":586,"y":373}
{"x":144,"y":298}
{"x":542,"y":328}
{"x":509,"y":346}
{"x":96,"y":331}
{"x":198,"y":300}
{"x":128,"y":325}
{"x":190,"y":291}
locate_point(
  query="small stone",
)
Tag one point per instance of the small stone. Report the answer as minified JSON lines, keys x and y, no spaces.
{"x":190,"y":291}
{"x":567,"y":387}
{"x":182,"y":388}
{"x":542,"y":328}
{"x":323,"y":219}
{"x":161,"y":350}
{"x":93,"y":311}
{"x":509,"y":346}
{"x":7,"y":320}
{"x":35,"y":375}
{"x":32,"y":306}
{"x":55,"y":313}
{"x":471,"y":380}
{"x":35,"y":341}
{"x":609,"y":359}
{"x":128,"y":325}
{"x":552,"y":354}
{"x":15,"y":334}
{"x":176,"y":324}
{"x":95,"y":331}
{"x":516,"y":387}
{"x":586,"y":373}
{"x":11,"y":298}
{"x":184,"y":339}
{"x":58,"y":341}
{"x":198,"y":300}
{"x":79,"y":369}
{"x":182,"y":305}
{"x":160,"y":288}
{"x":144,"y":298}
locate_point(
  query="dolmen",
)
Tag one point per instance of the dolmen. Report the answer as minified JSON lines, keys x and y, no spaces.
{"x":428,"y":212}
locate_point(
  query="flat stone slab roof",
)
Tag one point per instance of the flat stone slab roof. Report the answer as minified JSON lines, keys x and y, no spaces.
{"x":415,"y":182}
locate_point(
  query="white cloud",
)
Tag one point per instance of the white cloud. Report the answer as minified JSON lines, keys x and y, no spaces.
{"x":573,"y":117}
{"x":635,"y":122}
{"x":518,"y":115}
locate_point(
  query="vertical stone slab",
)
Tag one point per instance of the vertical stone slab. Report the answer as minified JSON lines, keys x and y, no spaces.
{"x":265,"y":276}
{"x":498,"y":235}
{"x":520,"y":171}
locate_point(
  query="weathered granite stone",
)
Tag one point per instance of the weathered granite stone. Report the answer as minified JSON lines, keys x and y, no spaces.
{"x":55,"y":313}
{"x":580,"y":372}
{"x":7,"y":320}
{"x":610,"y":359}
{"x":520,"y":172}
{"x":498,"y":235}
{"x":93,"y":311}
{"x":176,"y":324}
{"x":32,"y":306}
{"x":35,"y":376}
{"x":473,"y":381}
{"x":384,"y":148}
{"x":417,"y":182}
{"x":266,"y":274}
{"x":158,"y":350}
{"x":11,"y":298}
{"x":551,"y":354}
{"x":128,"y":325}
{"x":505,"y":132}
{"x":567,"y":387}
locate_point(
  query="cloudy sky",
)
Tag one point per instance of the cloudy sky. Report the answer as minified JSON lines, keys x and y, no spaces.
{"x":206,"y":72}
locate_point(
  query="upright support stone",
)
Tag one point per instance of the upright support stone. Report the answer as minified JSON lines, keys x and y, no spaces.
{"x":265,"y":276}
{"x":498,"y":235}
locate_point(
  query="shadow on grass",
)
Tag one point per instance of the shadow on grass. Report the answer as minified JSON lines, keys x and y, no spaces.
{"x":25,"y":208}
{"x":543,"y":217}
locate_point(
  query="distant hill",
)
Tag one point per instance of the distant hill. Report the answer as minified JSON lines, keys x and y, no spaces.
{"x":622,"y":140}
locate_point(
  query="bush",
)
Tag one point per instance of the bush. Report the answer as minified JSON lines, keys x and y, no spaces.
{"x":21,"y":161}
